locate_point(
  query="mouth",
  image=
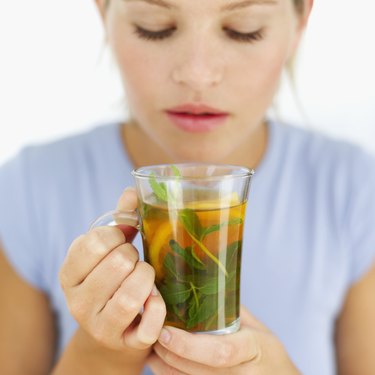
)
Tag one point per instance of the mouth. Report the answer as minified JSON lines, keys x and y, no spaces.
{"x":196,"y":118}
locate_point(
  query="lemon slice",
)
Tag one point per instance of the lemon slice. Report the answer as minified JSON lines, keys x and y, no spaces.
{"x":224,"y":202}
{"x":159,"y":241}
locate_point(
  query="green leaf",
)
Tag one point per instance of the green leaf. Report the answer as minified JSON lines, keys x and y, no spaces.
{"x":216,"y":227}
{"x":176,"y":171}
{"x":175,"y":293}
{"x":206,"y":310}
{"x":186,"y":254}
{"x":170,"y":265}
{"x":177,"y":311}
{"x":195,"y":256}
{"x":190,"y":221}
{"x":233,"y":252}
{"x":232,"y":282}
{"x":192,"y":312}
{"x":211,"y":286}
{"x":159,"y":189}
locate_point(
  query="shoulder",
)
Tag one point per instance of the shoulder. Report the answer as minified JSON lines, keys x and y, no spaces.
{"x":54,"y":158}
{"x":321,"y":154}
{"x":57,"y":173}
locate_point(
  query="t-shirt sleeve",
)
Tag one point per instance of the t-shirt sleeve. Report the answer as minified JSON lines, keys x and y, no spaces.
{"x":19,"y":235}
{"x":359,"y":222}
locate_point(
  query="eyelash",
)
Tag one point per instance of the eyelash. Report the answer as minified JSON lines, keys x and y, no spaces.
{"x":163,"y":34}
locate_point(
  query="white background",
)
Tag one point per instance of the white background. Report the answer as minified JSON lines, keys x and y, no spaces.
{"x":55,"y":80}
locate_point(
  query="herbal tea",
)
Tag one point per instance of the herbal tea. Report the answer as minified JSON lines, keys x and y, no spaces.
{"x":196,"y":253}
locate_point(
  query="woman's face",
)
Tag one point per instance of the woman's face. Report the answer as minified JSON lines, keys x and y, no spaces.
{"x":200,"y":75}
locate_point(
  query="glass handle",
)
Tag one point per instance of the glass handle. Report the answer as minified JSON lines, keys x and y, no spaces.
{"x":128,"y":222}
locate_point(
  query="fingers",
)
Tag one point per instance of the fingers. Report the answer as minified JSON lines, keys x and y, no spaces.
{"x":106,"y":278}
{"x":86,"y":252}
{"x":148,"y":330}
{"x":128,"y":200}
{"x":212,"y":350}
{"x":125,"y":305}
{"x":159,"y":367}
{"x":184,"y":365}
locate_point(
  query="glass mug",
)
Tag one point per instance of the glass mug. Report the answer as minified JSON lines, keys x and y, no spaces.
{"x":191,"y":220}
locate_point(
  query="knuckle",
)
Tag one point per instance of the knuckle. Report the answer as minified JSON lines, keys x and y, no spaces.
{"x":63,"y":278}
{"x":106,"y":235}
{"x":77,"y":242}
{"x":94,"y":243}
{"x":147,"y":339}
{"x":159,"y":308}
{"x":223,"y":354}
{"x":147,"y":269}
{"x":122,"y":262}
{"x":78,"y":308}
{"x":128,"y":304}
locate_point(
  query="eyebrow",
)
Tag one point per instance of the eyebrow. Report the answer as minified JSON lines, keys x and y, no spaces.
{"x":160,"y":3}
{"x":227,"y":7}
{"x":246,"y":3}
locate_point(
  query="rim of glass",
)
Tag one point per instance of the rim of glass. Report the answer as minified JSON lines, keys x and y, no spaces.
{"x":242,"y":171}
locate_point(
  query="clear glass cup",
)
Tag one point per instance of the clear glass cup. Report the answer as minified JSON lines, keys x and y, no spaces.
{"x":191,"y":219}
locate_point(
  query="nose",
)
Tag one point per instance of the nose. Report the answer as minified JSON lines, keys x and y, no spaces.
{"x":199,"y":65}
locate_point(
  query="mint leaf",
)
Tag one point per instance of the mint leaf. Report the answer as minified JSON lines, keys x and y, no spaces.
{"x":192,"y":314}
{"x":216,"y":227}
{"x":186,"y":255}
{"x":195,"y":256}
{"x":207,"y":309}
{"x":175,"y":293}
{"x":180,"y":314}
{"x":190,"y":221}
{"x":159,"y":189}
{"x":169,"y":265}
{"x":176,"y":171}
{"x":233,"y":252}
{"x":211,"y":287}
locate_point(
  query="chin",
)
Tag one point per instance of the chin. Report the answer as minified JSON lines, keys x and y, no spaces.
{"x":201,"y":154}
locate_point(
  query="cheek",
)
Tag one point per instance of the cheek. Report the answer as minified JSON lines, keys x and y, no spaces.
{"x":133,"y":67}
{"x":260,"y":72}
{"x":135,"y":62}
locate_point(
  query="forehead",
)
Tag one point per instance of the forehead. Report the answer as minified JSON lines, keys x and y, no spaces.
{"x":222,"y":6}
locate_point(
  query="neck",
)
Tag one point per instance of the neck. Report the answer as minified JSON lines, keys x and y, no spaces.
{"x":142,"y":150}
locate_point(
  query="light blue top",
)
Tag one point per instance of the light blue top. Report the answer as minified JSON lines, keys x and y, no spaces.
{"x":309,"y":230}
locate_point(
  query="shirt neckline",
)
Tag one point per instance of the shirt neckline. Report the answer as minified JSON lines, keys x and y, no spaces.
{"x":263,"y":169}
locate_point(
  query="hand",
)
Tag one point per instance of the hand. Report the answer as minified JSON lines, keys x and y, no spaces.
{"x":253,"y":350}
{"x":106,"y":287}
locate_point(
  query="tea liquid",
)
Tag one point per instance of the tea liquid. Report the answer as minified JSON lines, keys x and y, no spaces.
{"x":196,"y":254}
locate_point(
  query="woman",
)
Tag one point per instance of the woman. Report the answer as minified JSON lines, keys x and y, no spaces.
{"x":199,"y":77}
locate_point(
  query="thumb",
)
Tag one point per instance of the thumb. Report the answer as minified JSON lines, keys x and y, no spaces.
{"x":128,"y":200}
{"x":127,"y":203}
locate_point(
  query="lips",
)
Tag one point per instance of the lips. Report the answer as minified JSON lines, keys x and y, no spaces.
{"x":196,"y":118}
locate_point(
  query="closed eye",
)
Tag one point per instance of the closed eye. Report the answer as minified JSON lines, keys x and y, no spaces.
{"x":245,"y":37}
{"x":154,"y":35}
{"x":166,"y":33}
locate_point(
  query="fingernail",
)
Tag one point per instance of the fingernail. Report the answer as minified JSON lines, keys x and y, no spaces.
{"x":154,"y":291}
{"x":165,"y":336}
